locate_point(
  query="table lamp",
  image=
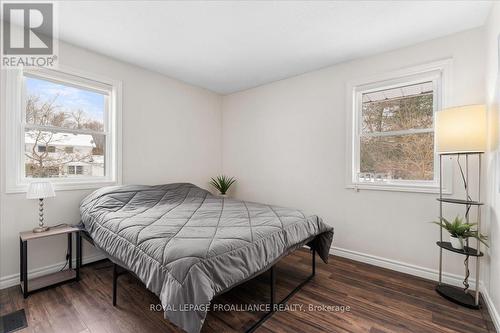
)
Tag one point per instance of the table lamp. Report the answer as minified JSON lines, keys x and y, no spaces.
{"x":40,"y":191}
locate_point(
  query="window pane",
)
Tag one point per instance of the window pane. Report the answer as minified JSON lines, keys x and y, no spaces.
{"x":396,"y":109}
{"x":406,"y":157}
{"x":59,"y":105}
{"x":72,"y":155}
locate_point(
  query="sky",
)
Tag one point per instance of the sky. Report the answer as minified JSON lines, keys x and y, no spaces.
{"x":70,"y":98}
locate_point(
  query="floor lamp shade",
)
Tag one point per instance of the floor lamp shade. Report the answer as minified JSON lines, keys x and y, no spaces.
{"x":461,"y":129}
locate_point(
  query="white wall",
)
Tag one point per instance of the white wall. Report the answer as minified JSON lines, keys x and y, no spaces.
{"x":172,"y":132}
{"x":492,"y":276}
{"x":286,"y":144}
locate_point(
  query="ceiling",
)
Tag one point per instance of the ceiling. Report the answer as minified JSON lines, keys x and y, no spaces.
{"x":228,"y":46}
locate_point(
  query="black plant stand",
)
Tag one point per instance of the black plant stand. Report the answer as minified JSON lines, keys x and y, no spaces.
{"x":457,"y":295}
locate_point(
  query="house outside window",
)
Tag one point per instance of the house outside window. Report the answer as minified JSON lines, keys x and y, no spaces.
{"x":75,"y":169}
{"x":68,"y":124}
{"x":392,"y":129}
{"x":44,"y":148}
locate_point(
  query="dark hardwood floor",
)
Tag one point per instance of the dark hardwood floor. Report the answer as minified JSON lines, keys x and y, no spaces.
{"x":379,"y":300}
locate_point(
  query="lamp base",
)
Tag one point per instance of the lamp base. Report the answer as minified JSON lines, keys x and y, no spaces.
{"x":41,"y":229}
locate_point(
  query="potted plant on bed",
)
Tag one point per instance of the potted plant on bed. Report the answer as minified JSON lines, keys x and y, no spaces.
{"x":460,"y":231}
{"x":222,"y":184}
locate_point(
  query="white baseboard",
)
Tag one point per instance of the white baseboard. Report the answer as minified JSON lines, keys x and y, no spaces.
{"x":424,"y":272}
{"x":495,"y":316}
{"x":13,"y":280}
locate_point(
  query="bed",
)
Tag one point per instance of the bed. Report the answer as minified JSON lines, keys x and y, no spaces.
{"x":187,"y":245}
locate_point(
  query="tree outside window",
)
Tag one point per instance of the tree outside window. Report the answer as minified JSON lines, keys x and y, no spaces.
{"x":64,"y":125}
{"x":397,"y":138}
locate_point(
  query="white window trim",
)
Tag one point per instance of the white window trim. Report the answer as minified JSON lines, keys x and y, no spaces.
{"x":442,"y":68}
{"x":15,"y":181}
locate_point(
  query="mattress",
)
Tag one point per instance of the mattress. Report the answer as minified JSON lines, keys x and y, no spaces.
{"x":187,"y":245}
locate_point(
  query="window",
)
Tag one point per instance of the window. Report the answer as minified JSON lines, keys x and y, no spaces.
{"x":66,"y":123}
{"x":392,"y":138}
{"x":75,"y":169}
{"x":396,"y":135}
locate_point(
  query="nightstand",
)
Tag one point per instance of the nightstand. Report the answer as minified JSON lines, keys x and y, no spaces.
{"x":49,"y":280}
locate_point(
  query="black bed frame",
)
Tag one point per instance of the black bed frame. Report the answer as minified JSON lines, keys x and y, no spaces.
{"x":118,"y":270}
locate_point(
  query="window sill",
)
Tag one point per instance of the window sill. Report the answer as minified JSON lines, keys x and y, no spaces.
{"x":414,"y":188}
{"x":64,"y":186}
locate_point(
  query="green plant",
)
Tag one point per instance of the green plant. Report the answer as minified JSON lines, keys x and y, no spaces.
{"x":459,"y":228}
{"x":222,"y":183}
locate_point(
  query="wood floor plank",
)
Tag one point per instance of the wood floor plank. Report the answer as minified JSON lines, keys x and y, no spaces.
{"x":379,"y":301}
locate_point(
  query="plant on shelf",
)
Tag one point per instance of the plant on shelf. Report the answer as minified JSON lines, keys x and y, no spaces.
{"x":460,"y":231}
{"x":222,"y":183}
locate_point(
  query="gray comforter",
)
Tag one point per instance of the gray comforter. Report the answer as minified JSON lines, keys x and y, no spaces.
{"x":187,"y":245}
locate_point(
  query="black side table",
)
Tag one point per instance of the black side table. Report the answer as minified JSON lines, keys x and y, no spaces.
{"x":49,"y":280}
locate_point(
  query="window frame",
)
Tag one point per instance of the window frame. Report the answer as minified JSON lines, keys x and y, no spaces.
{"x":15,"y":125}
{"x":439,"y":73}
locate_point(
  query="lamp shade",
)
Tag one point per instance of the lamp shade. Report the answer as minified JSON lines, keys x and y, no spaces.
{"x":40,"y":190}
{"x":461,"y":129}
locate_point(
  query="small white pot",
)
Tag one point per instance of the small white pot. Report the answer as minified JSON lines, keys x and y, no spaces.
{"x":457,"y":242}
{"x":225,"y":196}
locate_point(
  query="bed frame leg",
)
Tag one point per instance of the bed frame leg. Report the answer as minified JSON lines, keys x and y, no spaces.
{"x":273,"y":289}
{"x":273,"y":303}
{"x":313,"y":251}
{"x":115,"y":278}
